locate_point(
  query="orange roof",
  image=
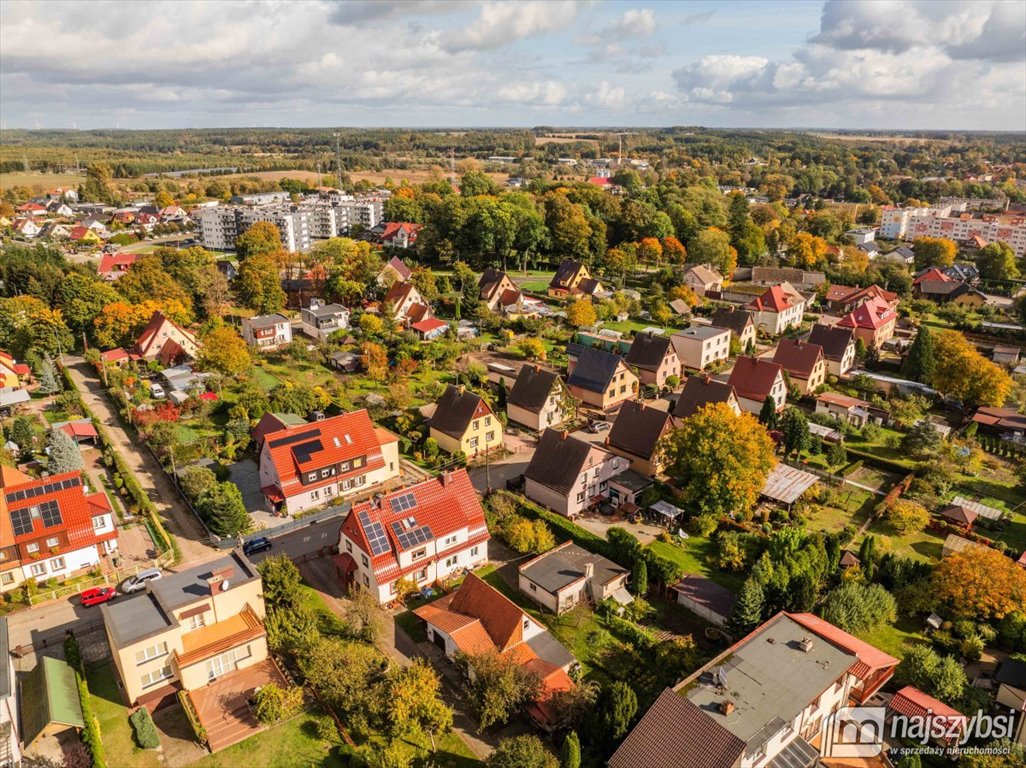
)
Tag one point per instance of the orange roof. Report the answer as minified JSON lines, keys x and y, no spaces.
{"x":151,"y":333}
{"x":479,"y":618}
{"x":775,"y":299}
{"x":874,"y":314}
{"x":870,"y":657}
{"x":932,"y":274}
{"x":912,"y":702}
{"x":109,"y":261}
{"x":843,"y":401}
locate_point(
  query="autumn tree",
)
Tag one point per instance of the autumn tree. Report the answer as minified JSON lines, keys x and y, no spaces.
{"x":119,"y":324}
{"x":650,"y":250}
{"x":807,"y":251}
{"x":980,"y":583}
{"x":147,"y":280}
{"x":962,"y":372}
{"x":344,"y":672}
{"x":28,"y":325}
{"x":673,"y":250}
{"x":224,"y":351}
{"x":996,"y":261}
{"x":258,"y":284}
{"x":261,"y":239}
{"x":498,"y":687}
{"x":525,"y":751}
{"x":581,"y":313}
{"x":414,"y":703}
{"x":530,"y":348}
{"x":712,"y":246}
{"x":905,"y":516}
{"x":720,"y":459}
{"x":375,"y":360}
{"x":934,"y":252}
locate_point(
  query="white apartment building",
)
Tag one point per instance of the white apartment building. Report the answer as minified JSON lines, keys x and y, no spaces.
{"x":701,"y":346}
{"x":220,"y":227}
{"x":267,"y":331}
{"x":953,"y":221}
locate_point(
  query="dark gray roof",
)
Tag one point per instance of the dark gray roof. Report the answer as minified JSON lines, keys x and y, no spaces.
{"x":455,"y":411}
{"x":5,"y":667}
{"x":594,"y":369}
{"x":186,"y":587}
{"x":700,"y":391}
{"x":631,"y":480}
{"x":674,"y":733}
{"x":267,"y":321}
{"x":560,"y":567}
{"x":707,"y":593}
{"x":567,"y":269}
{"x":648,"y":350}
{"x":638,"y":428}
{"x":1012,"y":672}
{"x":325,"y":310}
{"x":558,"y":460}
{"x":833,"y":339}
{"x":549,"y":649}
{"x":532,"y":388}
{"x":133,"y":618}
{"x":732,"y":319}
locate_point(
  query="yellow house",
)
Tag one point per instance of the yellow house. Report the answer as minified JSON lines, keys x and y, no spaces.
{"x":86,"y":236}
{"x":463,"y":421}
{"x":573,"y":279}
{"x":11,"y":373}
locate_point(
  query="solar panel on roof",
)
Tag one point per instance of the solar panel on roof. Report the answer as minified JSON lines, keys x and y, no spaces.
{"x":375,"y":534}
{"x":306,"y":450}
{"x":45,"y":488}
{"x":299,"y":437}
{"x":403,"y":503}
{"x":408,"y":539}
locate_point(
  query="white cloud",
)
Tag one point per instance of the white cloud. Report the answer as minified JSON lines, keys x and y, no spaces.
{"x":635,"y":22}
{"x":501,"y":23}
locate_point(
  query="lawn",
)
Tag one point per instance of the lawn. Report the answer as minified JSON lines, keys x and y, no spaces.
{"x":693,"y":556}
{"x":293,"y":744}
{"x":114,"y":726}
{"x":264,"y":379}
{"x":891,"y":638}
{"x":633,"y":326}
{"x":917,"y":545}
{"x":845,"y":506}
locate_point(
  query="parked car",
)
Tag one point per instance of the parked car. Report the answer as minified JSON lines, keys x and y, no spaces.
{"x":156,"y":391}
{"x":139,"y":581}
{"x":599,"y":426}
{"x":259,"y":544}
{"x":98,"y":595}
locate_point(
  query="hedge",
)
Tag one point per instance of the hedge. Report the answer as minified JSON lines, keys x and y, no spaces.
{"x":852,"y":468}
{"x":145,"y":730}
{"x":91,"y":733}
{"x":879,"y":462}
{"x":190,"y":714}
{"x":580,"y":536}
{"x":638,"y":636}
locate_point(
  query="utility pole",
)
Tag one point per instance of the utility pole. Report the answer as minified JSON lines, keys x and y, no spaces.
{"x":452,"y":166}
{"x":338,"y":157}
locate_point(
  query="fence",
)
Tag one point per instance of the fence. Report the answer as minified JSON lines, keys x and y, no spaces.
{"x":116,"y":576}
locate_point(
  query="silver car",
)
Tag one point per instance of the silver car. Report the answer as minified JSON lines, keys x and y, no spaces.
{"x":139,"y":581}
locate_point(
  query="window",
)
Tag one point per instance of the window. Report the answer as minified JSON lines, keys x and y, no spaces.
{"x":490,"y":436}
{"x":420,"y":554}
{"x":53,"y":541}
{"x":475,"y":425}
{"x":488,"y":421}
{"x":534,"y":588}
{"x":32,"y":548}
{"x":347,"y":484}
{"x":311,"y":477}
{"x":328,"y":492}
{"x":473,"y":552}
{"x":156,"y":676}
{"x":315,"y":495}
{"x":580,"y":496}
{"x":6,"y":578}
{"x":527,"y":623}
{"x":359,"y":480}
{"x":57,"y":564}
{"x":420,"y":575}
{"x":326,"y":472}
{"x":344,"y":466}
{"x":359,"y":462}
{"x":100,"y":521}
{"x":449,"y":540}
{"x":195,"y":622}
{"x":363,"y":559}
{"x":623,"y":389}
{"x":451,"y":561}
{"x":473,"y":442}
{"x":366,"y":581}
{"x":38,"y":569}
{"x":146,"y":654}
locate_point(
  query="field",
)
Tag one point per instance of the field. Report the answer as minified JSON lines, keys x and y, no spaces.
{"x":41,"y":180}
{"x":562,"y":139}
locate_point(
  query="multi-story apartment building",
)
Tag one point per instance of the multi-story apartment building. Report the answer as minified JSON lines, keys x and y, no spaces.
{"x":51,"y":527}
{"x":267,"y":331}
{"x":423,"y":533}
{"x":306,"y":465}
{"x":220,"y":227}
{"x":325,"y":220}
{"x":762,"y":702}
{"x":700,"y":346}
{"x":955,"y":222}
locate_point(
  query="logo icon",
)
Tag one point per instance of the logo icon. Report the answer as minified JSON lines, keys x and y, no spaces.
{"x":854,"y":732}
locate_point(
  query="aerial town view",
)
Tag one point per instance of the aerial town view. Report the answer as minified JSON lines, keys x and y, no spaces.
{"x":513,"y":384}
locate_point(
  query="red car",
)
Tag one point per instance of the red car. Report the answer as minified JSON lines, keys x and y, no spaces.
{"x":98,"y":595}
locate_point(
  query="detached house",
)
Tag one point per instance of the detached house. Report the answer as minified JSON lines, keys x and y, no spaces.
{"x":395,"y":271}
{"x":842,"y":299}
{"x":636,"y":433}
{"x":777,"y":310}
{"x":700,"y":391}
{"x":754,"y":379}
{"x":162,"y":340}
{"x":600,"y":379}
{"x":406,"y":304}
{"x":496,"y":290}
{"x":400,"y":234}
{"x":320,"y":320}
{"x":464,"y":423}
{"x":655,"y":359}
{"x":740,"y":324}
{"x":838,"y":347}
{"x":537,"y":399}
{"x":702,"y":279}
{"x":873,"y":322}
{"x":307,"y":465}
{"x":114,"y":265}
{"x":804,"y":363}
{"x":12,"y":373}
{"x":423,"y":534}
{"x":567,"y":474}
{"x":267,"y":331}
{"x":847,"y":409}
{"x":568,"y":575}
{"x":573,"y":279}
{"x":700,"y":346}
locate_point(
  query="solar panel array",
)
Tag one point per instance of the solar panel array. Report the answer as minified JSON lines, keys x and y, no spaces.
{"x":51,"y":513}
{"x":403,"y":503}
{"x":299,"y":436}
{"x":42,"y":490}
{"x":375,"y":534}
{"x":22,"y":522}
{"x":306,"y":450}
{"x":408,"y":539}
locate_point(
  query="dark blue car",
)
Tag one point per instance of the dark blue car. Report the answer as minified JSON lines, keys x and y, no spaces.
{"x":258,"y":544}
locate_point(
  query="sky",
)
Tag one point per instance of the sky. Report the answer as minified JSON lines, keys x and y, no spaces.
{"x":851,"y":64}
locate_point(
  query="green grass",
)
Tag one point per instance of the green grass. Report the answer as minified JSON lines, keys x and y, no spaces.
{"x":539,"y":286}
{"x":693,"y":556}
{"x":327,"y":622}
{"x":264,"y":379}
{"x":187,"y":435}
{"x":294,"y":744}
{"x":891,"y":638}
{"x":917,"y":545}
{"x":115,"y":730}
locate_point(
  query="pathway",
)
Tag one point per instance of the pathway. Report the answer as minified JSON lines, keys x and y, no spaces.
{"x":147,"y":470}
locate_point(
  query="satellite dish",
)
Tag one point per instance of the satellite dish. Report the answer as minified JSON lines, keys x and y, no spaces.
{"x":224,"y":585}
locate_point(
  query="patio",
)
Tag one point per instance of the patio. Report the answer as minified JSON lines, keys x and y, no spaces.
{"x":222,"y":706}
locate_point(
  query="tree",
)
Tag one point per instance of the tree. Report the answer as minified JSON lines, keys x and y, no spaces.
{"x":147,"y":280}
{"x":614,"y":712}
{"x":934,"y":252}
{"x":795,"y":428}
{"x":98,"y":186}
{"x":525,"y":535}
{"x":807,"y":251}
{"x":980,"y":584}
{"x":639,"y":578}
{"x":768,"y":415}
{"x":375,"y":360}
{"x":224,"y":511}
{"x":22,"y":433}
{"x":920,"y":363}
{"x":856,"y":607}
{"x":258,"y":284}
{"x":414,"y":701}
{"x":224,"y":351}
{"x":712,"y":246}
{"x":195,"y":481}
{"x":282,"y":583}
{"x":64,"y":453}
{"x":570,"y":756}
{"x":837,"y":454}
{"x":364,"y":615}
{"x":996,"y":261}
{"x":624,"y":545}
{"x":720,"y":459}
{"x":581,"y":313}
{"x":531,"y":348}
{"x":344,"y":672}
{"x":274,"y":703}
{"x":49,"y":384}
{"x":29,"y":325}
{"x":371,"y":325}
{"x":964,"y":373}
{"x":922,"y":440}
{"x":500,"y":686}
{"x":261,"y":239}
{"x":940,"y":676}
{"x":526,"y":751}
{"x":747,"y":612}
{"x":906,"y":516}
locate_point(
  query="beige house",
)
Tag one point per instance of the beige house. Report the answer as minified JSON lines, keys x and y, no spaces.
{"x":754,"y":379}
{"x":165,"y":340}
{"x":654,"y":358}
{"x":702,"y":279}
{"x":700,"y":346}
{"x":636,"y":433}
{"x":573,"y":279}
{"x":804,"y":362}
{"x":778,"y":309}
{"x":740,"y":324}
{"x":838,"y":347}
{"x":567,"y":474}
{"x":569,"y":575}
{"x":538,"y":399}
{"x":600,"y":379}
{"x":496,"y":290}
{"x":463,"y":421}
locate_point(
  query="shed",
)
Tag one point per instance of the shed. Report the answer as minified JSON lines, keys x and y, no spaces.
{"x":958,"y":515}
{"x":786,"y":484}
{"x":49,"y":700}
{"x":666,"y":510}
{"x":956,"y":544}
{"x":981,"y":510}
{"x":825,"y":433}
{"x":706,"y":598}
{"x":848,"y":559}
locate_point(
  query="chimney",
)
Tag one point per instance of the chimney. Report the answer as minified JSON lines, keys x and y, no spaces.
{"x":589,"y":570}
{"x":443,"y":478}
{"x":641,"y":405}
{"x":537,"y":368}
{"x":461,"y":389}
{"x":220,"y":579}
{"x":564,"y":435}
{"x":726,"y":707}
{"x":806,"y":644}
{"x":316,"y":303}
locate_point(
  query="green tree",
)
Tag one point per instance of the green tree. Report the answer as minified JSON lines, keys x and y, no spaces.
{"x":64,"y":453}
{"x":258,"y":285}
{"x":345,"y":672}
{"x":615,"y":710}
{"x":570,"y":756}
{"x":639,"y":578}
{"x":919,"y":363}
{"x":262,"y":239}
{"x":837,"y":454}
{"x":414,"y":701}
{"x":857,"y":607}
{"x":274,"y":703}
{"x":28,"y":325}
{"x":934,"y":252}
{"x":147,"y":280}
{"x":712,"y":246}
{"x":747,"y":612}
{"x":795,"y":428}
{"x":922,"y":440}
{"x":98,"y":186}
{"x":49,"y":384}
{"x":768,"y":415}
{"x":22,"y":433}
{"x":224,"y":351}
{"x":282,"y":584}
{"x":996,"y":261}
{"x":498,"y":687}
{"x":224,"y":511}
{"x":526,"y":751}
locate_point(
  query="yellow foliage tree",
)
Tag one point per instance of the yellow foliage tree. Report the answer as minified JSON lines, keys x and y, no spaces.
{"x":225,"y":351}
{"x":807,"y":250}
{"x":581,"y":313}
{"x":934,"y":252}
{"x":980,"y":583}
{"x":962,"y":372}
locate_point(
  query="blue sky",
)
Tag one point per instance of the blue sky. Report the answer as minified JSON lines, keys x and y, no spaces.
{"x":887,"y":64}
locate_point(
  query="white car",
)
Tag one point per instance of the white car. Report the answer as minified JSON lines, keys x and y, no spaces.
{"x":139,"y":581}
{"x":157,"y":391}
{"x":599,"y":426}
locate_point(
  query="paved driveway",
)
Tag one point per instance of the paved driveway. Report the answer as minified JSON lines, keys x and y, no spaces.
{"x":246,"y":476}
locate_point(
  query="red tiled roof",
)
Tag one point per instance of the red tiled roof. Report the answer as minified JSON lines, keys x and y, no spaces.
{"x":775,"y":299}
{"x":78,"y":429}
{"x":871,"y":658}
{"x":849,"y":294}
{"x":932,"y":274}
{"x":797,"y":357}
{"x":76,"y":509}
{"x":843,"y":401}
{"x":114,"y":355}
{"x":753,"y":377}
{"x":601,"y":181}
{"x":874,"y":314}
{"x":428,"y":325}
{"x":912,"y":702}
{"x":109,"y":261}
{"x":151,"y":333}
{"x":393,"y":228}
{"x":21,"y":369}
{"x":77,"y":233}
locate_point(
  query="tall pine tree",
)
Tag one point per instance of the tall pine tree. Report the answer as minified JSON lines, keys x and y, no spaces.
{"x":920,"y":363}
{"x":64,"y":453}
{"x":747,"y":613}
{"x":768,"y":414}
{"x":49,"y":384}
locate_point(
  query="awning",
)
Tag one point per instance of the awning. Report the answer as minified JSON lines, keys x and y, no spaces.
{"x":666,"y":509}
{"x":622,"y":596}
{"x":345,"y":563}
{"x":273,"y":493}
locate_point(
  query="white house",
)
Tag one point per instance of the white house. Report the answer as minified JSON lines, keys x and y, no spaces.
{"x":700,"y":346}
{"x":320,"y":320}
{"x":566,"y":473}
{"x":267,"y":331}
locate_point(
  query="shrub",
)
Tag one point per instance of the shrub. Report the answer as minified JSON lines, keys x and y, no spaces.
{"x":145,"y":731}
{"x":274,"y":703}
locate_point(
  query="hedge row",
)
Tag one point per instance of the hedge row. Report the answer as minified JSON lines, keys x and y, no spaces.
{"x":871,"y":460}
{"x":581,"y":537}
{"x":91,"y":733}
{"x":852,"y":468}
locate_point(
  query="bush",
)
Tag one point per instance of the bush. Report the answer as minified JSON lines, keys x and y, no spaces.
{"x":852,"y":468}
{"x":274,"y":703}
{"x":145,"y":731}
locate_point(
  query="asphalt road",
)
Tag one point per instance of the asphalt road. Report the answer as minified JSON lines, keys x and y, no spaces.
{"x":304,"y":541}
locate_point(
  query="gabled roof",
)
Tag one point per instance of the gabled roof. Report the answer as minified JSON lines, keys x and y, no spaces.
{"x":735,"y":320}
{"x":559,"y":460}
{"x":1002,"y":418}
{"x":429,"y":324}
{"x":273,"y":422}
{"x":110,"y":261}
{"x":700,"y":391}
{"x":456,"y":409}
{"x":64,"y":490}
{"x":873,"y":314}
{"x":775,"y":299}
{"x":272,"y":320}
{"x":797,"y":357}
{"x":848,"y":294}
{"x":958,"y":514}
{"x":932,"y":275}
{"x":706,"y":274}
{"x":754,"y":377}
{"x":912,"y":702}
{"x":648,"y":350}
{"x":834,"y":341}
{"x":532,"y":388}
{"x":594,"y":369}
{"x":638,"y":428}
{"x":400,"y":268}
{"x":400,"y":291}
{"x":564,"y":565}
{"x":151,"y":334}
{"x":395,"y":228}
{"x":842,"y":401}
{"x":565,"y":274}
{"x":490,"y":281}
{"x":49,"y":695}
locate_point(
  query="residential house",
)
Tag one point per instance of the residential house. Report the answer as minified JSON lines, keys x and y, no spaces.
{"x":464,"y":423}
{"x":700,"y":346}
{"x":601,"y":379}
{"x":26,"y":227}
{"x":703,"y":279}
{"x":704,"y":597}
{"x":842,"y":299}
{"x":1006,"y":423}
{"x":793,"y":275}
{"x":400,"y":234}
{"x":271,"y":423}
{"x":320,"y":320}
{"x":573,"y":279}
{"x":1011,"y":693}
{"x":777,"y":310}
{"x":944,"y":288}
{"x":395,"y":271}
{"x":568,"y":575}
{"x":636,"y":433}
{"x":740,"y":324}
{"x":306,"y":465}
{"x":31,"y":210}
{"x":567,"y":474}
{"x":850,"y":410}
{"x":873,"y":322}
{"x":761,"y":702}
{"x":860,"y":236}
{"x":838,"y":347}
{"x":423,"y":534}
{"x":496,"y":290}
{"x":430,"y":328}
{"x":55,"y":230}
{"x":114,"y":265}
{"x":406,"y":304}
{"x":538,"y":399}
{"x":754,"y":379}
{"x":654,"y":358}
{"x":12,"y":374}
{"x":200,"y":631}
{"x":10,"y":741}
{"x":477,"y":619}
{"x":51,"y":527}
{"x":162,"y":340}
{"x":86,"y":235}
{"x":700,"y":391}
{"x":804,"y":363}
{"x":267,"y":331}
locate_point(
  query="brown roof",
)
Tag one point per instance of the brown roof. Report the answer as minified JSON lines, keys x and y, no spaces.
{"x":501,"y":617}
{"x":706,"y":274}
{"x":842,"y":401}
{"x":532,"y":388}
{"x":566,"y":272}
{"x":833,"y":339}
{"x":735,"y":320}
{"x":648,"y":350}
{"x":799,"y":358}
{"x":958,"y":514}
{"x":638,"y":428}
{"x":559,"y":460}
{"x":457,"y":407}
{"x":700,"y":391}
{"x":675,"y":733}
{"x":753,"y":377}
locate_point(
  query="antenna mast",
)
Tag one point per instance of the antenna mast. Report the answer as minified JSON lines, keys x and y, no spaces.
{"x":338,"y":157}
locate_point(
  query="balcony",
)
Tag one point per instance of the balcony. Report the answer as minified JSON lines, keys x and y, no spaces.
{"x":215,"y":639}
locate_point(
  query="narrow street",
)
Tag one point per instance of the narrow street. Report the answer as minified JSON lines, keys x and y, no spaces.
{"x":151,"y":477}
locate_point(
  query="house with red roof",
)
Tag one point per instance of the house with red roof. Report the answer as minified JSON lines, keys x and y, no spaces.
{"x":430,"y":328}
{"x":400,"y":234}
{"x":394,"y":271}
{"x":85,"y":235}
{"x":51,"y":527}
{"x":917,"y":707}
{"x":754,"y":379}
{"x":114,"y":265}
{"x":842,"y":299}
{"x":777,"y":310}
{"x":478,"y":619}
{"x":31,"y":209}
{"x":303,"y":466}
{"x":12,"y":374}
{"x":406,"y":303}
{"x":873,"y":322}
{"x":166,"y":341}
{"x":422,"y":534}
